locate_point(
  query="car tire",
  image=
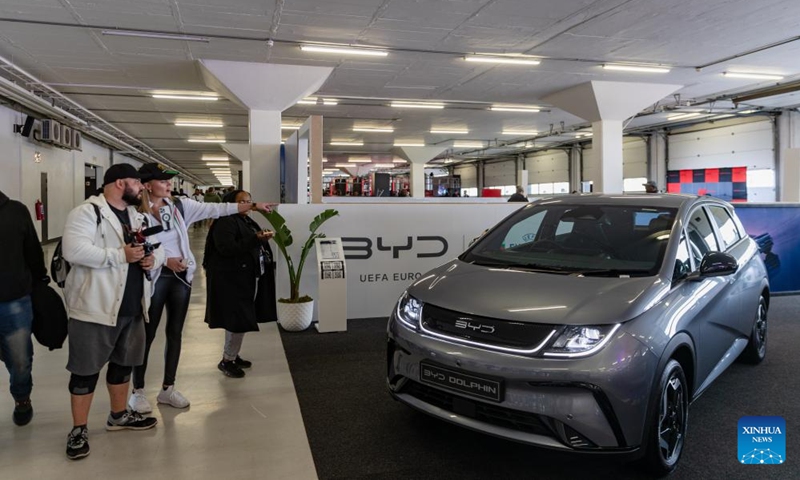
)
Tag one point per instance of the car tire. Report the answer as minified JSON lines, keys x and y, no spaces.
{"x":668,"y":421}
{"x":756,"y":348}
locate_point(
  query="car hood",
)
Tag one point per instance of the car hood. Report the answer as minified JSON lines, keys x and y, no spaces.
{"x":537,"y":297}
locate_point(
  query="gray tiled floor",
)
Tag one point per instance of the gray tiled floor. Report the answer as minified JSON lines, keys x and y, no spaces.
{"x":234,"y":429}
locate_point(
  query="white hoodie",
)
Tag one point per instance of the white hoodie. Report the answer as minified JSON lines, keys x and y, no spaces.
{"x":96,"y":282}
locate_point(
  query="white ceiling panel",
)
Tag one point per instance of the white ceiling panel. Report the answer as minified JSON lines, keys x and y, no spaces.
{"x":426,"y":40}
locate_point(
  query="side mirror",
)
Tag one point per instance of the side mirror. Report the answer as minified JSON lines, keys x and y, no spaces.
{"x":715,"y":264}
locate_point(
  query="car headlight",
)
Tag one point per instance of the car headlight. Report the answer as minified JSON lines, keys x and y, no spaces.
{"x":409,"y":311}
{"x":580,"y":340}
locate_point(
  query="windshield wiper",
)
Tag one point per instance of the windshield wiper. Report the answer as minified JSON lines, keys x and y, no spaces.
{"x":611,"y":272}
{"x":537,"y":267}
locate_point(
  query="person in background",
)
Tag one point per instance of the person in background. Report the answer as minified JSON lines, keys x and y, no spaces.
{"x":650,"y":187}
{"x":172,"y":284}
{"x":22,"y":262}
{"x":211,"y":196}
{"x":198,"y":195}
{"x":465,"y":194}
{"x":240,"y":275}
{"x":519,"y":196}
{"x":107,"y":296}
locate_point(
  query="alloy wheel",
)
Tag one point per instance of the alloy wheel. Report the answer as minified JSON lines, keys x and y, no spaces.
{"x":672,"y":419}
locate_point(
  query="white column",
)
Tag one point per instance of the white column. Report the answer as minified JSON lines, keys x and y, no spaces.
{"x":417,"y":180}
{"x":575,"y":173}
{"x":315,"y":158}
{"x":607,"y":142}
{"x":265,"y":155}
{"x":790,"y":176}
{"x":657,"y":163}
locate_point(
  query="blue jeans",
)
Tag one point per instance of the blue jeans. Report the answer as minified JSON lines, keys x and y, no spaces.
{"x":16,"y":347}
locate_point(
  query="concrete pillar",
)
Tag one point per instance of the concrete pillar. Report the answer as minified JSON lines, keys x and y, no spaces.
{"x":575,"y":173}
{"x":265,"y":89}
{"x":790,"y":178}
{"x":479,"y":178}
{"x":657,"y":160}
{"x":240,"y":151}
{"x":788,"y":125}
{"x":607,"y":143}
{"x":417,"y":158}
{"x":265,"y":155}
{"x":607,"y":105}
{"x":315,"y":157}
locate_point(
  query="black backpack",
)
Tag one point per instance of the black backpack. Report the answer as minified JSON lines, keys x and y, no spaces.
{"x":59,"y":266}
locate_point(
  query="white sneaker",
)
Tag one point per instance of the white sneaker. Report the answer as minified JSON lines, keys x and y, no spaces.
{"x":138,"y":401}
{"x":172,"y":397}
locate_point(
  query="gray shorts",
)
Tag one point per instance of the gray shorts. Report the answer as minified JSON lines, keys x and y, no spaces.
{"x":92,"y":345}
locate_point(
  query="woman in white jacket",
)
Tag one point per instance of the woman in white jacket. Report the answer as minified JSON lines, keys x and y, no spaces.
{"x":172,"y":283}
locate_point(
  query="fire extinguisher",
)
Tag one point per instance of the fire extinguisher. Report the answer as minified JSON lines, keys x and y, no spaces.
{"x":39,"y":210}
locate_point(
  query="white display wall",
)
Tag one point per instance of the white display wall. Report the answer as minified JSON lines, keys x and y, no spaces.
{"x":396,"y":238}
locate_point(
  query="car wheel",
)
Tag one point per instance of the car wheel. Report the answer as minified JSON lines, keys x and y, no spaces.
{"x":668,"y":421}
{"x":756,"y":348}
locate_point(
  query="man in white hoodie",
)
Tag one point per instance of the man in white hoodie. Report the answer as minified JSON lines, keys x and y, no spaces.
{"x":107,"y":296}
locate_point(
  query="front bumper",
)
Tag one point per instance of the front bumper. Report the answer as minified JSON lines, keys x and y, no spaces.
{"x":592,"y":404}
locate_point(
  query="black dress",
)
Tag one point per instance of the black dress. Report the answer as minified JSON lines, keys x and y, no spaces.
{"x":233,"y":272}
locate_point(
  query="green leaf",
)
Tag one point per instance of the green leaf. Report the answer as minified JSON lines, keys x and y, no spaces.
{"x":283,"y":239}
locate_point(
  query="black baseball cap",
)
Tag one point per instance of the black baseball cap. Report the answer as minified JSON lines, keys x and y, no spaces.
{"x":120,"y":171}
{"x":156,"y":171}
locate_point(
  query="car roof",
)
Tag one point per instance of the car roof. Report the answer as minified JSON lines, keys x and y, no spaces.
{"x":665,"y":200}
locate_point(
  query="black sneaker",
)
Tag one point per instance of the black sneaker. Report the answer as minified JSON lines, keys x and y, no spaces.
{"x":78,"y":443}
{"x":130,"y":421}
{"x":242,"y":363}
{"x":23,"y":412}
{"x":229,"y":368}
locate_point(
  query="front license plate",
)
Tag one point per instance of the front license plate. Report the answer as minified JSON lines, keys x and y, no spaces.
{"x":469,"y":384}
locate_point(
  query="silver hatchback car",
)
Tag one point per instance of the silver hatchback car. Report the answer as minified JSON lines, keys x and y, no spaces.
{"x":585,"y":323}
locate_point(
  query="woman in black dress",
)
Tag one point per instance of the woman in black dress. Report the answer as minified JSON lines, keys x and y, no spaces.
{"x":240,"y":276}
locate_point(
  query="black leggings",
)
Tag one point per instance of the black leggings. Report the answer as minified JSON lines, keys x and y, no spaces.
{"x":174,"y":293}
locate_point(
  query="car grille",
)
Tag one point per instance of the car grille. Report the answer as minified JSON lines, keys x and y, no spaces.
{"x":489,"y":331}
{"x":492,"y":414}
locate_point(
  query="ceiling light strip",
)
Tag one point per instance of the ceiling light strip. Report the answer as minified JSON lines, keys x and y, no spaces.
{"x":374,"y":52}
{"x":636,"y":68}
{"x":501,"y":59}
{"x":160,"y":36}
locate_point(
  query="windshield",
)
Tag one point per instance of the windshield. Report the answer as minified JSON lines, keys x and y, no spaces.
{"x":602,"y":240}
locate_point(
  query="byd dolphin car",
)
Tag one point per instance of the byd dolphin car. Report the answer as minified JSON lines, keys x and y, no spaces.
{"x":586,"y":323}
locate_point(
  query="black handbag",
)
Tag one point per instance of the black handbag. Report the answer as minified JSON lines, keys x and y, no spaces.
{"x":49,"y":316}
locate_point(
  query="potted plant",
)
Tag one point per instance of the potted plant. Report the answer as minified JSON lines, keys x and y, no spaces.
{"x":295,"y":313}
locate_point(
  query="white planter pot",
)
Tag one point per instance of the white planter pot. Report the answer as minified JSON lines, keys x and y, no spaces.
{"x":295,"y":317}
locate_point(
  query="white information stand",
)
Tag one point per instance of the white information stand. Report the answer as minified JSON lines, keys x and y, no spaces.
{"x":332,"y":295}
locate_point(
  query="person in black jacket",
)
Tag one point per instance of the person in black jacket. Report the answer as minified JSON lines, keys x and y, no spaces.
{"x":519,"y":196}
{"x":22,"y":262}
{"x":240,"y":281}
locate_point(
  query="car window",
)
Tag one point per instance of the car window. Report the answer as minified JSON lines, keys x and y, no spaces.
{"x":525,"y":231}
{"x":683,"y":264}
{"x":701,"y":234}
{"x":594,"y":239}
{"x":726,"y":225}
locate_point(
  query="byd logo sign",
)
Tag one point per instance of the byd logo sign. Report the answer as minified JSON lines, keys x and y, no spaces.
{"x":361,"y":248}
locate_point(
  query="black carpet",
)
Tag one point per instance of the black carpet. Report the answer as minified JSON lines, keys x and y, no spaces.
{"x":356,"y":430}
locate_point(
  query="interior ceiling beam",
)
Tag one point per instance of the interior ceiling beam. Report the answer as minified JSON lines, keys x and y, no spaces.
{"x":766,"y":92}
{"x":749,"y":52}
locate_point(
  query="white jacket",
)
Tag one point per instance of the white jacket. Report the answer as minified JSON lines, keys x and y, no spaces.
{"x":193,"y":211}
{"x":96,"y":283}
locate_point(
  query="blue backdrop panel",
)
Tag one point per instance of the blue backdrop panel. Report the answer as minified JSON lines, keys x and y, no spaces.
{"x":775,"y":229}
